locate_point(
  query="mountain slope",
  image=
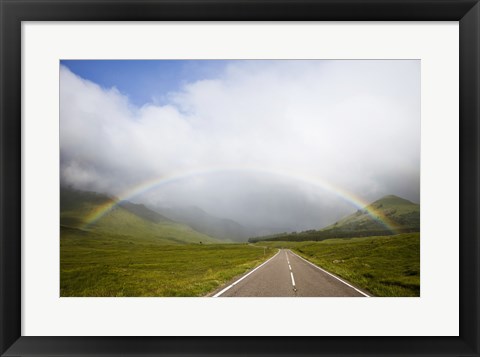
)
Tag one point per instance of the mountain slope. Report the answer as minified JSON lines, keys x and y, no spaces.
{"x":201,"y":221}
{"x":386,"y":216}
{"x":389,"y":212}
{"x":125,"y":219}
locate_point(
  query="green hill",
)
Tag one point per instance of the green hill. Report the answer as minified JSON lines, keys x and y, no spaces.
{"x":388,"y":212}
{"x":386,"y":216}
{"x":126,"y":219}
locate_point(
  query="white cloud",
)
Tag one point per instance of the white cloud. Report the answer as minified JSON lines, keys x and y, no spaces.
{"x":353,"y":123}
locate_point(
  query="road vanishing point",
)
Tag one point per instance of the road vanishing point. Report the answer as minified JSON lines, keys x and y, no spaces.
{"x":287,"y":274}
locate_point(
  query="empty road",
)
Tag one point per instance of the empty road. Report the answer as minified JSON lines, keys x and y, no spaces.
{"x":289,"y":275}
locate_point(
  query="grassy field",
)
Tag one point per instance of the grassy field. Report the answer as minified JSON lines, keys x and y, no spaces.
{"x":384,"y":266}
{"x":99,"y":264}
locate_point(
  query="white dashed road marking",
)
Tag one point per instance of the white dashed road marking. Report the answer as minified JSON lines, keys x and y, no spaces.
{"x":291,"y":272}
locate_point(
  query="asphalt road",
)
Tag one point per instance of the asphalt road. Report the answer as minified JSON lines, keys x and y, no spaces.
{"x":288,"y":275}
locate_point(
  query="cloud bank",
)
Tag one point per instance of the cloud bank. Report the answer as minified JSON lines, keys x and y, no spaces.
{"x":354,"y":124}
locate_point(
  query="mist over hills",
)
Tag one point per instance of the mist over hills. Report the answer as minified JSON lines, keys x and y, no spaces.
{"x":125,"y":219}
{"x":388,"y":215}
{"x":77,"y":205}
{"x":201,"y":221}
{"x":221,"y":228}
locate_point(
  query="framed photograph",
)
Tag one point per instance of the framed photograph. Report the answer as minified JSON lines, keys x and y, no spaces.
{"x":239,"y":178}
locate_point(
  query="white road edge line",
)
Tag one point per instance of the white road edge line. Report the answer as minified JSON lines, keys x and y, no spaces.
{"x":333,"y":276}
{"x":243,"y":277}
{"x":293,"y":280}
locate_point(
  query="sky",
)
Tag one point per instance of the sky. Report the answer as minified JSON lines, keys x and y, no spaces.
{"x":283,"y":144}
{"x":144,"y":81}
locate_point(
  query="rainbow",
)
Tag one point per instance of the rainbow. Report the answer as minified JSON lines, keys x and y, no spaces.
{"x":163,"y":180}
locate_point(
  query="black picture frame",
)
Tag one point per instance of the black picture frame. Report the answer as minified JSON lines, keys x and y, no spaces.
{"x":13,"y":12}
